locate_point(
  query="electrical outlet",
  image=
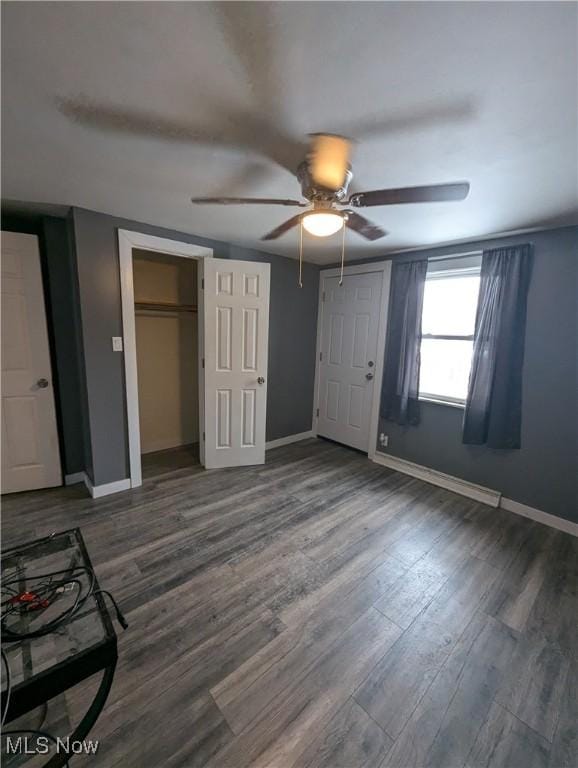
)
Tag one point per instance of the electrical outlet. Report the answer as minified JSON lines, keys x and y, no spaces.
{"x":384,"y":440}
{"x":117,"y":343}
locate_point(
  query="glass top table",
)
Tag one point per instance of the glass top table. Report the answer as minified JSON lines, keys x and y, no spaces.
{"x":56,"y":628}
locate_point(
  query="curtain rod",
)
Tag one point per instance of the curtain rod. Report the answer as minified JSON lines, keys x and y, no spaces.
{"x":455,"y":256}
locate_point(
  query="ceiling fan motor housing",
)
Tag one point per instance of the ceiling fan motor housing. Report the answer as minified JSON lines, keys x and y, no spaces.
{"x":315,"y":193}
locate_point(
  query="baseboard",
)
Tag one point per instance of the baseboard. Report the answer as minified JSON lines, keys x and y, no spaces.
{"x":167,"y":445}
{"x":540,"y":517}
{"x":451,"y":483}
{"x":476,"y":492}
{"x":289,"y":439}
{"x":74,"y":478}
{"x":98,"y":491}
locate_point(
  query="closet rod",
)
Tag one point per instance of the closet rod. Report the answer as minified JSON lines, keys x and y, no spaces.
{"x":159,"y":307}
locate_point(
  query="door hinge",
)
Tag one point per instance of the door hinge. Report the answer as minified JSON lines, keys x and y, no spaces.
{"x":323,"y":296}
{"x":203,"y":437}
{"x":203,"y":362}
{"x":320,"y":356}
{"x":317,"y":413}
{"x":202,"y":284}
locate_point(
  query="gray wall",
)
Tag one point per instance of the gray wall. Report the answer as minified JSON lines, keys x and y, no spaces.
{"x":65,"y":326}
{"x":293,"y":318}
{"x":544,"y":472}
{"x":83,"y":302}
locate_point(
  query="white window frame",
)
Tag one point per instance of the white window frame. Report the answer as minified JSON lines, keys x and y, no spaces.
{"x":454,"y":402}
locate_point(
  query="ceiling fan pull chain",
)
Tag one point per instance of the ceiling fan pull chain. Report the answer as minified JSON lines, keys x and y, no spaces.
{"x":342,"y":253}
{"x":301,"y":253}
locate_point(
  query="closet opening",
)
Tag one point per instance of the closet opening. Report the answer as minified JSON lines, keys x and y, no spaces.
{"x":167,"y":339}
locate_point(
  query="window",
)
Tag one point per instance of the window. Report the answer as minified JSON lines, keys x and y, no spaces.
{"x":448,"y":321}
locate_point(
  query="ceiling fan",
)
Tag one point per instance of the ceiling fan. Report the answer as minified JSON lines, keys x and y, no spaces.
{"x":325,"y":176}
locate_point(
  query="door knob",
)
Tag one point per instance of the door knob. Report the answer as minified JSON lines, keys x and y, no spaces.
{"x":42,"y":383}
{"x":369,"y":376}
{"x":370,"y":364}
{"x":260,"y":380}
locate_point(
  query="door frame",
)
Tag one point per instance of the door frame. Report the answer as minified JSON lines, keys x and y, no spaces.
{"x":127,"y":240}
{"x":383,"y":267}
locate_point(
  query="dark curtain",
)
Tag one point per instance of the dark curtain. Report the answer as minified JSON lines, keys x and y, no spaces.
{"x":399,"y":393}
{"x":493,"y":411}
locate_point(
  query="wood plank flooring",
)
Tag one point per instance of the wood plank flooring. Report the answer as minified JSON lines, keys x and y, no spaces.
{"x":322,"y":611}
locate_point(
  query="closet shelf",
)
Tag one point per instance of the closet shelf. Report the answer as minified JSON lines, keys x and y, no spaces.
{"x":163,"y":307}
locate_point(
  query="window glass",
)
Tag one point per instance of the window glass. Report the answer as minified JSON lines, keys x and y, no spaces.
{"x":445,"y":368}
{"x":449,"y":310}
{"x":449,"y":305}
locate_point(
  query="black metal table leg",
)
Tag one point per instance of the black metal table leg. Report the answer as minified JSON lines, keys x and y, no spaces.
{"x":83,"y":728}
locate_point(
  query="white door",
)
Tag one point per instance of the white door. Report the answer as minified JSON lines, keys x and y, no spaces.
{"x":236,"y":330}
{"x":30,"y":454}
{"x":349,"y":333}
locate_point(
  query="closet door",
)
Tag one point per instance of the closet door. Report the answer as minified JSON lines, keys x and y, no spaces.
{"x":236,"y":330}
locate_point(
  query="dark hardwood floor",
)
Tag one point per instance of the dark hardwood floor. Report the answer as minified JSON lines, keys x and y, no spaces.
{"x":321,"y":610}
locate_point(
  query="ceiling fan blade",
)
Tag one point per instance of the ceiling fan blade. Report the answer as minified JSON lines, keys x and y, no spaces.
{"x":328,"y":160}
{"x":282,"y":228}
{"x":246,"y":201}
{"x":433,"y":193}
{"x":364,"y":227}
{"x":229,"y":128}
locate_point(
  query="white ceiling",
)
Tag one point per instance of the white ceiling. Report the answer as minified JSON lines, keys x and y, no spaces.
{"x":130,"y":108}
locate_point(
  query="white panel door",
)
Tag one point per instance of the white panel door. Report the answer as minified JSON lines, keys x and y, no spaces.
{"x":349,"y":331}
{"x":30,"y":454}
{"x":236,"y":330}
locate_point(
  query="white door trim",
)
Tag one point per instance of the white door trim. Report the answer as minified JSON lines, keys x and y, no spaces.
{"x":355,"y":269}
{"x":128,"y":240}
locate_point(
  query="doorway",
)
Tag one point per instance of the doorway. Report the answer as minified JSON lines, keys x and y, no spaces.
{"x":162,"y":259}
{"x":232,"y":331}
{"x":166,"y":322}
{"x":350,"y":350}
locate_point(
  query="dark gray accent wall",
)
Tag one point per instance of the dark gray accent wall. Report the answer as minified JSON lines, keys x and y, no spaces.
{"x":64,"y":319}
{"x":292,"y":330}
{"x":544,"y":472}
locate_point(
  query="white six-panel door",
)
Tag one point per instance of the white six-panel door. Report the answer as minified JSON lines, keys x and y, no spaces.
{"x":236,"y":330}
{"x":347,"y":368}
{"x":30,"y":453}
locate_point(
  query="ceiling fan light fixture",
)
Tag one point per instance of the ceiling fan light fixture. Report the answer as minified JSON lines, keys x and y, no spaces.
{"x":323,"y":224}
